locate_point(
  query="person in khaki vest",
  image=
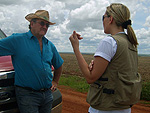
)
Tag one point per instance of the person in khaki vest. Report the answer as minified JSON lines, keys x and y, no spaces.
{"x":115,"y":84}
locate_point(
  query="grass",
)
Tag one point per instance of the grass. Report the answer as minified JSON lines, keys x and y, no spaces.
{"x":73,"y":78}
{"x":145,"y":95}
{"x":145,"y":102}
{"x":75,"y":82}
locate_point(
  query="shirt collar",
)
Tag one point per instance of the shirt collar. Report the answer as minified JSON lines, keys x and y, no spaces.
{"x":30,"y":35}
{"x":121,"y":32}
{"x":45,"y":39}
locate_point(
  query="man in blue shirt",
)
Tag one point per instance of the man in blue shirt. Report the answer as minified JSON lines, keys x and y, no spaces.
{"x":32,"y":58}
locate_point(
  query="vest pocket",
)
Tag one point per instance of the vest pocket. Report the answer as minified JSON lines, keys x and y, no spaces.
{"x":94,"y":94}
{"x":128,"y":89}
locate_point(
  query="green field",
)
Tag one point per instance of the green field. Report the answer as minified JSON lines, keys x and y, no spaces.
{"x":72,"y":76}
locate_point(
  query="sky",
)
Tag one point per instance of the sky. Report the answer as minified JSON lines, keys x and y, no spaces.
{"x":83,"y":16}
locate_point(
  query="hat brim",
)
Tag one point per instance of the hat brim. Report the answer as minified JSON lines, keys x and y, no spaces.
{"x":29,"y":17}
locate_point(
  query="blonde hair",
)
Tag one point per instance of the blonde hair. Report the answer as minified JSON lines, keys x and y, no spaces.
{"x":121,"y":14}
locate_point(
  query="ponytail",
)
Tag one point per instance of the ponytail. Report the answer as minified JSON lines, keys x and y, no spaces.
{"x":121,"y":14}
{"x":132,"y":36}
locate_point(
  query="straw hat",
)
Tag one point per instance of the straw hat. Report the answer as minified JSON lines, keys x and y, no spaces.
{"x":41,"y":14}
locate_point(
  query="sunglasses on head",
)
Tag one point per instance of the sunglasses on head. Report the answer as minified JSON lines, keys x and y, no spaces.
{"x":43,"y":24}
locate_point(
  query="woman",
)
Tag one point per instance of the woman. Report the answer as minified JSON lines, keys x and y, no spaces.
{"x":115,"y":84}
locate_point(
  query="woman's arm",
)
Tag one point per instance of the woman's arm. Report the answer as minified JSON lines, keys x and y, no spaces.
{"x":99,"y":66}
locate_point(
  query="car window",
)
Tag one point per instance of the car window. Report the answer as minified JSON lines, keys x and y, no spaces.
{"x":2,"y":34}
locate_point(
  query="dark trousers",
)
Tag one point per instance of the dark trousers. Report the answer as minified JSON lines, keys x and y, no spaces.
{"x":34,"y":102}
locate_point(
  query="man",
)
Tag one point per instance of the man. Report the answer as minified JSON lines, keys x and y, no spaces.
{"x":32,"y":58}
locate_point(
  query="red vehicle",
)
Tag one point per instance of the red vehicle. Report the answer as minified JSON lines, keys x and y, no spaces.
{"x":5,"y":62}
{"x":8,"y":102}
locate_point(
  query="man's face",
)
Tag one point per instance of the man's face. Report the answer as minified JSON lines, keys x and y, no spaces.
{"x":39,"y":28}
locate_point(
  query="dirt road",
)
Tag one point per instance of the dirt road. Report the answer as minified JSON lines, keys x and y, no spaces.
{"x":75,"y":102}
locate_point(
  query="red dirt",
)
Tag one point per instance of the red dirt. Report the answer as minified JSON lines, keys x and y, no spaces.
{"x":75,"y":102}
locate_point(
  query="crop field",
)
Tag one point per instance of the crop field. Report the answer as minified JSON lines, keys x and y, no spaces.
{"x":70,"y":66}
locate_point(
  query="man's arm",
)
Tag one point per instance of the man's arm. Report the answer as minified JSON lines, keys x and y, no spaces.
{"x":56,"y":77}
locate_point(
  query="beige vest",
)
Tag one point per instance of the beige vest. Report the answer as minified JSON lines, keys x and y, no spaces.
{"x":120,"y":85}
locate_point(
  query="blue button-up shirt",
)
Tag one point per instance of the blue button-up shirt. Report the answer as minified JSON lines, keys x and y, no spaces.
{"x":32,"y":67}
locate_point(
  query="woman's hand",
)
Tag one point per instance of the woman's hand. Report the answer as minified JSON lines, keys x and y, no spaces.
{"x":91,"y":65}
{"x":74,"y":39}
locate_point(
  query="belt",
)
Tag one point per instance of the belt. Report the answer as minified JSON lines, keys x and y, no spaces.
{"x":30,"y":89}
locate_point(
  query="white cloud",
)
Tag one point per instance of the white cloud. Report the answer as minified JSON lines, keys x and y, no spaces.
{"x":143,"y":39}
{"x":84,"y":16}
{"x":90,"y":10}
{"x":147,"y":23}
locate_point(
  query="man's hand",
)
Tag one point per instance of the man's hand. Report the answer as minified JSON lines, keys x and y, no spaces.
{"x":54,"y":86}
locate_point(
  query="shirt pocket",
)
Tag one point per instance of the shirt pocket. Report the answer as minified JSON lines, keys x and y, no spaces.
{"x":47,"y":56}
